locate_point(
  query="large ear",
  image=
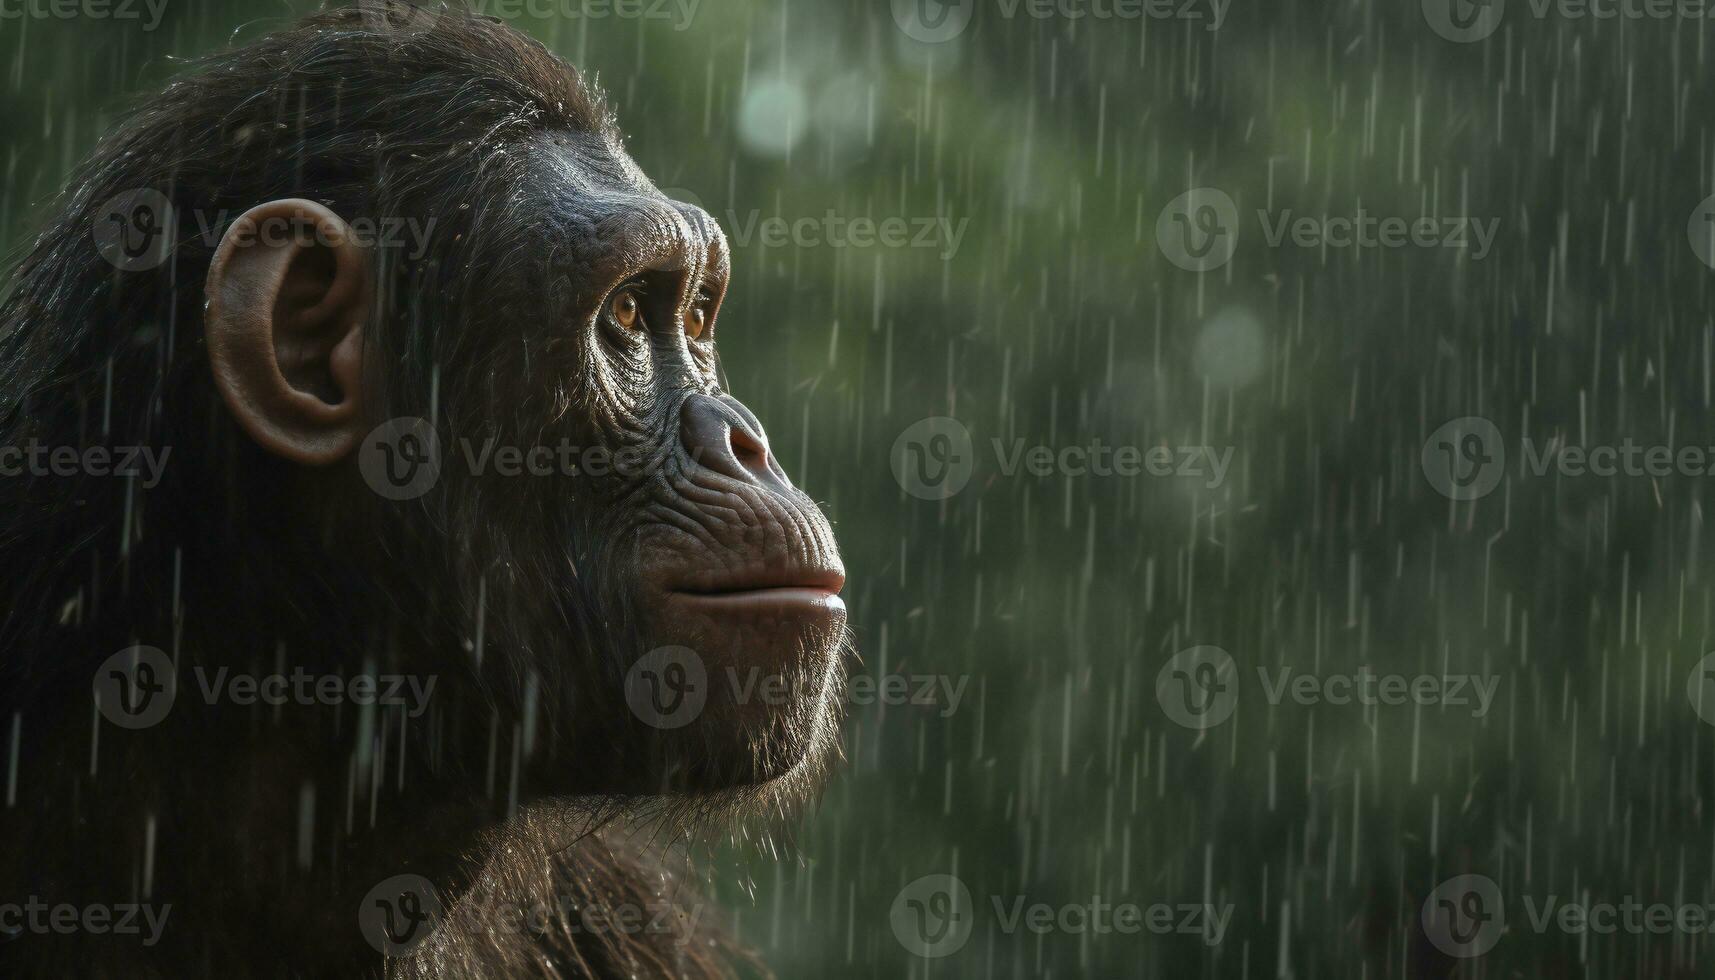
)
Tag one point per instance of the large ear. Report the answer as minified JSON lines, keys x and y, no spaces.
{"x":288,"y":296}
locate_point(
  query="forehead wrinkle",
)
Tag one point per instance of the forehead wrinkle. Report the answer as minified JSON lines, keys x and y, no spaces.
{"x":638,"y":232}
{"x":616,"y":223}
{"x":714,"y":252}
{"x":600,"y":237}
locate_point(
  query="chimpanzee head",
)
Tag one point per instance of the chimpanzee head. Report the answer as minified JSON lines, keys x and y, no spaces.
{"x":436,"y":368}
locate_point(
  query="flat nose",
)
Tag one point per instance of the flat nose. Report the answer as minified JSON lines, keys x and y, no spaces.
{"x":722,"y":435}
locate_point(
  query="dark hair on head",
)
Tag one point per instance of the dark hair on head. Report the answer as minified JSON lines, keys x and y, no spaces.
{"x":513,"y":167}
{"x":410,"y":113}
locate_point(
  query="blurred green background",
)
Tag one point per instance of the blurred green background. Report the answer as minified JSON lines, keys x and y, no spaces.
{"x":1054,"y":143}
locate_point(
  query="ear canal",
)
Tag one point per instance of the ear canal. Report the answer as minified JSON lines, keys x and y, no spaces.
{"x":288,"y":300}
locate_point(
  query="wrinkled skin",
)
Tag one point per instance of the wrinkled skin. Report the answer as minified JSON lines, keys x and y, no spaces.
{"x":563,"y":616}
{"x":697,"y":534}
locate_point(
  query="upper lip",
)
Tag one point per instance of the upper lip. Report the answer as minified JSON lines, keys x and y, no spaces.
{"x":726,"y":582}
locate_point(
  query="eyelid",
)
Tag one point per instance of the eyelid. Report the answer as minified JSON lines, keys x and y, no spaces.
{"x":634,"y":286}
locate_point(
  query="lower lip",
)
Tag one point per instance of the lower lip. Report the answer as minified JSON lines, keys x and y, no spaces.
{"x":790,"y":599}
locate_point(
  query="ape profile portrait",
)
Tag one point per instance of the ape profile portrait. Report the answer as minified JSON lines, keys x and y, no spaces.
{"x":378,"y":534}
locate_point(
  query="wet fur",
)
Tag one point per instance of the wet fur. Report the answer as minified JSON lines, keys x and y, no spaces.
{"x":369,"y":123}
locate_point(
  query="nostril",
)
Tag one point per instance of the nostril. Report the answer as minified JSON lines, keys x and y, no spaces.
{"x":749,"y":450}
{"x":721,"y":435}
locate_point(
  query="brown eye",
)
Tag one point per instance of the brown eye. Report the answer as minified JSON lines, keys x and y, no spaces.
{"x":698,"y":319}
{"x":626,"y":310}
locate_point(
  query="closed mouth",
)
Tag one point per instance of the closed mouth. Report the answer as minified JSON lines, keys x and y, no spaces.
{"x":761,"y":600}
{"x":807,"y":589}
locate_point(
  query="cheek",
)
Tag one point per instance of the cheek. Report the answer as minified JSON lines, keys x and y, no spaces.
{"x":623,"y":383}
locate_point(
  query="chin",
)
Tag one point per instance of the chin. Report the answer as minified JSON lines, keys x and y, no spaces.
{"x":747,"y":690}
